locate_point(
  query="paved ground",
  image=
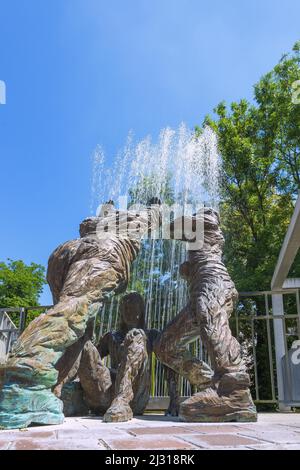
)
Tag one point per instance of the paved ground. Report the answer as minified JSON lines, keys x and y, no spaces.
{"x":273,"y":431}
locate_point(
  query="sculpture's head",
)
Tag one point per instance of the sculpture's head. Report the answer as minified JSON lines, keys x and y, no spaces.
{"x":88,"y":226}
{"x":212,"y":231}
{"x":132,"y":312}
{"x":154,"y":201}
{"x":212,"y":242}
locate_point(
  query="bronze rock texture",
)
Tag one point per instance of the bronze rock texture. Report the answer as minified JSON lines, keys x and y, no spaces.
{"x":80,"y":273}
{"x":58,"y":346}
{"x":224,"y":385}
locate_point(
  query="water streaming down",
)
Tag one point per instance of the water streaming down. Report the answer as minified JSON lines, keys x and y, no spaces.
{"x":181,"y":167}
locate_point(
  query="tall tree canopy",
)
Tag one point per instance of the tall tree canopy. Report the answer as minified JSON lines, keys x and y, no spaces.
{"x":260,"y":146}
{"x":20,"y":284}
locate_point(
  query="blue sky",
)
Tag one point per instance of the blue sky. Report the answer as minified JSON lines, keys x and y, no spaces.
{"x":83,"y":72}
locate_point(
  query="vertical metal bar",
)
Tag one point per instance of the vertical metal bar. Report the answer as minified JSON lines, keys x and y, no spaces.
{"x":8,"y":341}
{"x":254,"y":359}
{"x":270,"y":347}
{"x":298,"y":312}
{"x":280,"y":344}
{"x":287,"y":362}
{"x":26,"y":315}
{"x":22,"y":317}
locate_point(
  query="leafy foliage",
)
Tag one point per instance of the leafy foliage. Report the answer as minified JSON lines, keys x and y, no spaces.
{"x":21,"y":285}
{"x":260,"y":146}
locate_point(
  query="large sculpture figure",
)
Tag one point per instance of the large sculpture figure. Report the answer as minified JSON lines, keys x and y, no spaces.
{"x":58,"y":344}
{"x":225,"y":394}
{"x":123,"y":390}
{"x":80,"y":273}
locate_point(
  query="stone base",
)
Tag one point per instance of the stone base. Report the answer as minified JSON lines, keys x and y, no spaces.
{"x":208,"y":406}
{"x":20,"y":407}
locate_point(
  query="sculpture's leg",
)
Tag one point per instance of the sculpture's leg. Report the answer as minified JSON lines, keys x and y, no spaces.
{"x":68,"y":365}
{"x":95,"y":379}
{"x":171,"y":349}
{"x":173,"y":390}
{"x":229,"y":399}
{"x":213,"y":313}
{"x":67,"y":369}
{"x":133,"y":364}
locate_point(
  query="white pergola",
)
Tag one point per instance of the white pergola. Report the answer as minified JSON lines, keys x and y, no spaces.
{"x":281,"y":283}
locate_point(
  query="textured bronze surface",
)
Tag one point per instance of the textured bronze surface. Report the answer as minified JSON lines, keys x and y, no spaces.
{"x":57,"y":346}
{"x":225,"y":394}
{"x":80,"y":273}
{"x":123,"y":390}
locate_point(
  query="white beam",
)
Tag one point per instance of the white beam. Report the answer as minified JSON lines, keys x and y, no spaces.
{"x":291,"y":283}
{"x":288,"y":251}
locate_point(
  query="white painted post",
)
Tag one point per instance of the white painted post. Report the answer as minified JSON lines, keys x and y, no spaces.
{"x":278,"y":309}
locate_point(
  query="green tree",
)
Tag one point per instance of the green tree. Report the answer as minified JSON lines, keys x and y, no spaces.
{"x":260,"y":146}
{"x":21,"y":285}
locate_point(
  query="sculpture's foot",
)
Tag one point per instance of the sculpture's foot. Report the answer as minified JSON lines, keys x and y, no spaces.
{"x":231,"y":402}
{"x":173,"y":410}
{"x":20,"y":407}
{"x":119,"y":411}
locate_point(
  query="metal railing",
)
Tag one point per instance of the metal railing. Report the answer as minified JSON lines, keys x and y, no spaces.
{"x":9,"y":331}
{"x":261,"y":322}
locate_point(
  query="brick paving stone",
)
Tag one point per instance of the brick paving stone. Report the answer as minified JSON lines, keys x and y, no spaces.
{"x":220,"y":440}
{"x":283,"y":419}
{"x":213,"y":428}
{"x":29,"y":444}
{"x":263,"y":428}
{"x":94,"y":433}
{"x":170,"y":430}
{"x":149,"y":443}
{"x":222,"y":448}
{"x":273,"y":431}
{"x":276,"y":437}
{"x":38,"y":435}
{"x":293,"y":426}
{"x":275,"y":447}
{"x":152,"y":420}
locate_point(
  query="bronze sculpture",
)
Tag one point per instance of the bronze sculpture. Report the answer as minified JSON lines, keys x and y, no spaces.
{"x":80,"y":273}
{"x":224,"y":387}
{"x":123,"y":390}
